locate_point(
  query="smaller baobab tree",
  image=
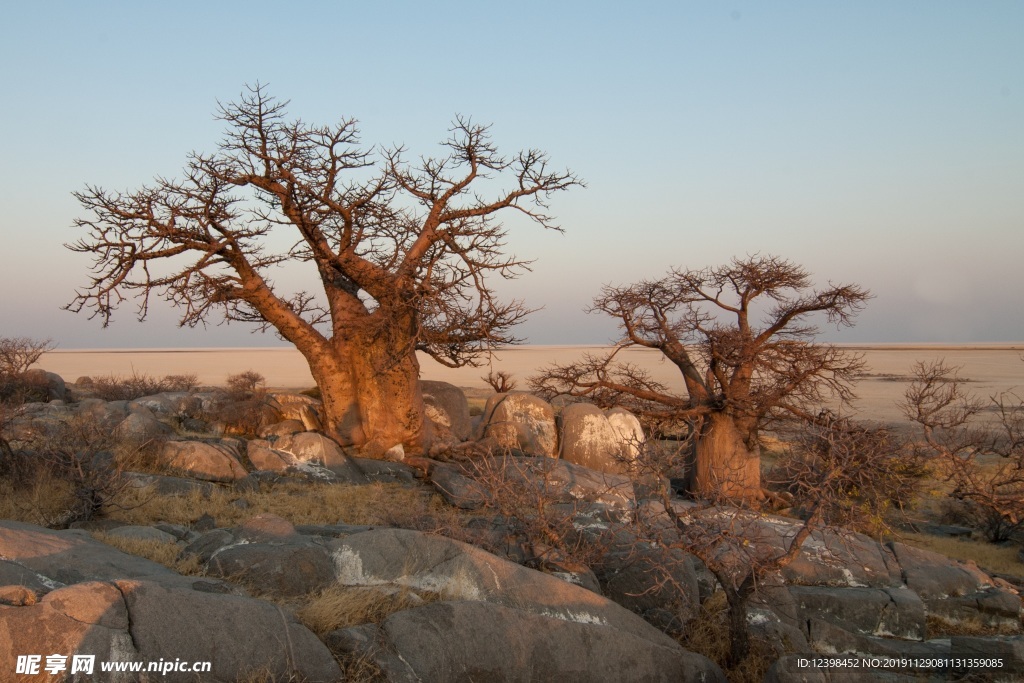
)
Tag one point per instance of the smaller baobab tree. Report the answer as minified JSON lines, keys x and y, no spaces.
{"x":739,"y":375}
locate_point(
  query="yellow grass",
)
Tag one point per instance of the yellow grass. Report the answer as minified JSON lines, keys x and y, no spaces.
{"x":373,"y":504}
{"x":342,"y":606}
{"x":990,"y":557}
{"x":165,"y":553}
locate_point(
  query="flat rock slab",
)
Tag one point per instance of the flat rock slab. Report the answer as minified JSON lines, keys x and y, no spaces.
{"x":458,"y":571}
{"x":474,"y":641}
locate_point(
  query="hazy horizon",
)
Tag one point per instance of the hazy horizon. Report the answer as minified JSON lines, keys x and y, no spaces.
{"x":875,"y":143}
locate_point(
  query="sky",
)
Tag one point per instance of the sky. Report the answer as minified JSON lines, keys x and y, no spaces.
{"x":880,"y":143}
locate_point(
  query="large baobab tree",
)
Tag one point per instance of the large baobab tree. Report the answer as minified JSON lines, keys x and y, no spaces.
{"x":739,"y":375}
{"x":405,"y":252}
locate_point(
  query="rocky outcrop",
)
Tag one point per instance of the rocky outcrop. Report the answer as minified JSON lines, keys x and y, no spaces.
{"x":83,"y":597}
{"x":447,"y":409}
{"x":588,"y":439}
{"x":200,"y":460}
{"x":521,"y":422}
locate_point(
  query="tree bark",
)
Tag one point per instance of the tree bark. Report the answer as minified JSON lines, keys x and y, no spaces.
{"x":724,"y":465}
{"x":371,"y":396}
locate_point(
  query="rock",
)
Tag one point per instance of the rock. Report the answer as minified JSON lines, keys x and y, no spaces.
{"x":284,"y":428}
{"x":1010,"y":650}
{"x":102,"y":412}
{"x":141,"y":426}
{"x":65,"y":557}
{"x":457,"y":489}
{"x":629,"y":430}
{"x":789,"y":669}
{"x":383,"y":470}
{"x":236,"y":634}
{"x":265,"y":459}
{"x":588,"y":439}
{"x":447,"y":408}
{"x":265,"y":527}
{"x":309,"y":447}
{"x":204,"y":461}
{"x":473,"y":641}
{"x":828,"y":638}
{"x":291,"y":406}
{"x":284,"y":568}
{"x":992,"y":607}
{"x":169,"y":486}
{"x":520,"y":421}
{"x":458,"y":571}
{"x":658,"y":584}
{"x":56,"y":389}
{"x":159,"y":404}
{"x":867,"y":611}
{"x":931,"y":575}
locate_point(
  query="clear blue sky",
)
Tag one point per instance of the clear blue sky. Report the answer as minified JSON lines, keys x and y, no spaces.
{"x":874,"y":142}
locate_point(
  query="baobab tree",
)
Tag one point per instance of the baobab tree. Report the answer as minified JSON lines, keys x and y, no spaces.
{"x":405,"y":252}
{"x":738,"y":375}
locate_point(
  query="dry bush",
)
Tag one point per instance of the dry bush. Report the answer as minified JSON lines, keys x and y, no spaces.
{"x":183,"y":382}
{"x":991,"y":495}
{"x":527,"y":501}
{"x":121,"y":388}
{"x":854,"y":474}
{"x":342,"y":606}
{"x":502,"y":382}
{"x":242,"y":408}
{"x":18,"y":354}
{"x":36,"y":500}
{"x":246,"y":385}
{"x":79,"y":452}
{"x":708,"y":634}
{"x":165,"y":553}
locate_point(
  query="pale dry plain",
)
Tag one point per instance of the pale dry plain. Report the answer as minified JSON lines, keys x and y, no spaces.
{"x":991,"y":368}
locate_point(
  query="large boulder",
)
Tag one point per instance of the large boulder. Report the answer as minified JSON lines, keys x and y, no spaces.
{"x":447,"y":408}
{"x":204,"y":461}
{"x":458,"y":571}
{"x":52,"y":383}
{"x":629,"y":430}
{"x":588,"y":439}
{"x":522,"y":422}
{"x":102,"y":602}
{"x":476,"y":641}
{"x":141,"y":426}
{"x":312,"y":448}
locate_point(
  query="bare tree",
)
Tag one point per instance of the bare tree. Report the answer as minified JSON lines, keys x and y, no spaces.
{"x":953,"y":430}
{"x":405,"y":252}
{"x":738,"y":376}
{"x":502,"y":382}
{"x":834,"y":463}
{"x":18,"y":354}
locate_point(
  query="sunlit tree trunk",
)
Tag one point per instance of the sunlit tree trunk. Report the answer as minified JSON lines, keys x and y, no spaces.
{"x":725,"y":464}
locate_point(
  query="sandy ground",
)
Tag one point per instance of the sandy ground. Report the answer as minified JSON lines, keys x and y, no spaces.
{"x":991,"y":369}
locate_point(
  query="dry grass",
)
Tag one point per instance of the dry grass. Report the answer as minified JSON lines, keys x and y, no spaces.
{"x":165,"y":553}
{"x":374,"y":504}
{"x":937,"y":627}
{"x":342,"y":606}
{"x":39,"y":501}
{"x":708,"y":634}
{"x":990,"y":557}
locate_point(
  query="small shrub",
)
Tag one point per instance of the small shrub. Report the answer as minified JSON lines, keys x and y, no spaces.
{"x":502,"y":382}
{"x":183,"y":382}
{"x":118,"y":388}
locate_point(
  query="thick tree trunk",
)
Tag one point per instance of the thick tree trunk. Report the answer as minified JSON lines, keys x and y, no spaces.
{"x":724,"y":465}
{"x":371,"y":397}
